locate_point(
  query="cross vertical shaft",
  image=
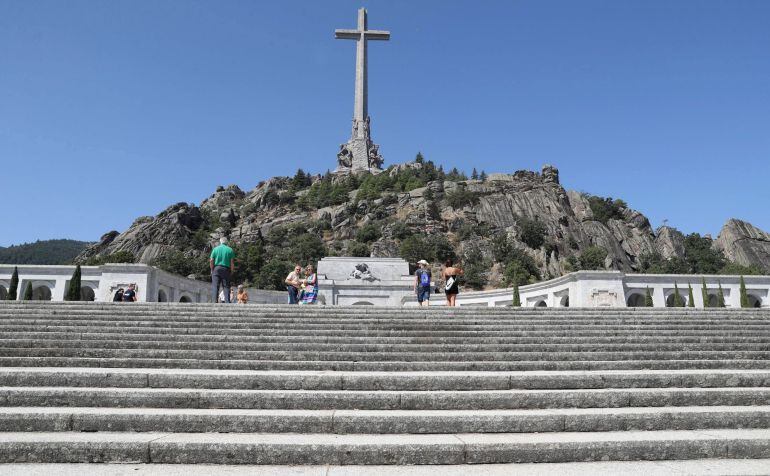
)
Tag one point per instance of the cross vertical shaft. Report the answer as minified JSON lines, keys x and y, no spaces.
{"x":360,"y":109}
{"x":360,"y":153}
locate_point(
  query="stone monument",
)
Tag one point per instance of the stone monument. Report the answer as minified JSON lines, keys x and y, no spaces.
{"x":365,"y":281}
{"x":360,"y":153}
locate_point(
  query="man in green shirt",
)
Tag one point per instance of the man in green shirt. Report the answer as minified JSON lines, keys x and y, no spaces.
{"x":222,"y":263}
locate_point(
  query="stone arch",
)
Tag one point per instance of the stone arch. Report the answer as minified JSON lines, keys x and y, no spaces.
{"x":635,"y":300}
{"x":185,"y":298}
{"x":363,"y":303}
{"x":3,"y":293}
{"x":670,"y":299}
{"x":713,"y":300}
{"x":564,"y":301}
{"x":87,"y":293}
{"x":162,"y":296}
{"x":754,"y":301}
{"x":41,"y":293}
{"x":541,"y":303}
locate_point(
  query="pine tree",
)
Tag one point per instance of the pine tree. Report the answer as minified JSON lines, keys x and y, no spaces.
{"x":483,"y":176}
{"x":474,"y":174}
{"x":705,"y":293}
{"x":28,"y":291}
{"x":678,"y":301}
{"x":690,"y":298}
{"x":516,"y":297}
{"x":419,"y":159}
{"x":744,"y":294}
{"x":14,"y":287}
{"x":720,"y":296}
{"x":648,"y":298}
{"x":73,"y":291}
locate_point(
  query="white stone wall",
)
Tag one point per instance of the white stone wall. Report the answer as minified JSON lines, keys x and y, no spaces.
{"x":393,"y":286}
{"x":105,"y":280}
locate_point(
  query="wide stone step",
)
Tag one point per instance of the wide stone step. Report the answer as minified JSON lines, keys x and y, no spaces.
{"x":373,"y":333}
{"x":380,"y":400}
{"x":74,"y":342}
{"x":426,"y":356}
{"x":314,"y":380}
{"x":267,"y":448}
{"x":17,"y":419}
{"x":630,"y":338}
{"x":376,"y":366}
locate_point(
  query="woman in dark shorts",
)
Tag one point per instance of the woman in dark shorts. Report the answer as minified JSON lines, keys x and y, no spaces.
{"x":450,"y":275}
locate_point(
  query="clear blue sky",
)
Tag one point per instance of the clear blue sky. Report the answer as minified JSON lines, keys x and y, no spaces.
{"x":110,"y":110}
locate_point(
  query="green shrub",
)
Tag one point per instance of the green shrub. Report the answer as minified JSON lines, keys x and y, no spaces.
{"x":648,"y":298}
{"x":117,"y":257}
{"x":591,"y":258}
{"x":720,"y":296}
{"x":476,"y":268}
{"x":399,"y":230}
{"x":704,"y":293}
{"x":460,"y":197}
{"x":358,"y":249}
{"x":521,"y":269}
{"x":368,"y":233}
{"x":605,"y":208}
{"x":531,"y":232}
{"x":690,"y":298}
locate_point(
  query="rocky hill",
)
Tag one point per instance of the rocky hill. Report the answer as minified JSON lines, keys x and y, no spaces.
{"x":523,"y":226}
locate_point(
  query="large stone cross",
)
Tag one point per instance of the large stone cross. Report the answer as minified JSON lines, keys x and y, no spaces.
{"x":360,"y":153}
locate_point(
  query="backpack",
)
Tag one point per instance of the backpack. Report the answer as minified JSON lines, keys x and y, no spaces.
{"x":425,"y":279}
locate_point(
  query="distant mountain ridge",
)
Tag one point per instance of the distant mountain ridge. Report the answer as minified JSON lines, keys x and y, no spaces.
{"x":43,"y":252}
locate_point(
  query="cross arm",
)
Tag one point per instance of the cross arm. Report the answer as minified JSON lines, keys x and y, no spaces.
{"x":377,"y":35}
{"x":347,"y":34}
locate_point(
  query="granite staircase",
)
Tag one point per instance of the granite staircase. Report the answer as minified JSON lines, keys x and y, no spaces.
{"x":197,"y":383}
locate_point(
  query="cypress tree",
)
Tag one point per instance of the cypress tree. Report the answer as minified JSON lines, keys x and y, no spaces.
{"x":720,"y":296}
{"x":744,"y":295}
{"x":474,"y":174}
{"x":73,"y":292}
{"x":678,"y":301}
{"x":648,"y":298}
{"x":483,"y":176}
{"x":690,"y":298}
{"x":705,"y":293}
{"x":14,"y":287}
{"x":28,"y":291}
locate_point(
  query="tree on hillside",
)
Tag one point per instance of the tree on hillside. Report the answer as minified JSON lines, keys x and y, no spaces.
{"x":690,"y":298}
{"x":704,"y":293}
{"x":744,"y":294}
{"x":483,"y":176}
{"x":474,"y":174}
{"x":14,"y":287}
{"x":73,"y":291}
{"x":28,"y":292}
{"x":419,"y":158}
{"x":476,"y":268}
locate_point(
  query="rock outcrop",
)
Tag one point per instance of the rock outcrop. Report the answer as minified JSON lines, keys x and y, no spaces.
{"x":501,"y":204}
{"x":745,"y":244}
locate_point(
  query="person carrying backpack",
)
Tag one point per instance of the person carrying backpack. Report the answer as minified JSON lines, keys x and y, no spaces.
{"x":118,"y":295}
{"x":422,"y":283}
